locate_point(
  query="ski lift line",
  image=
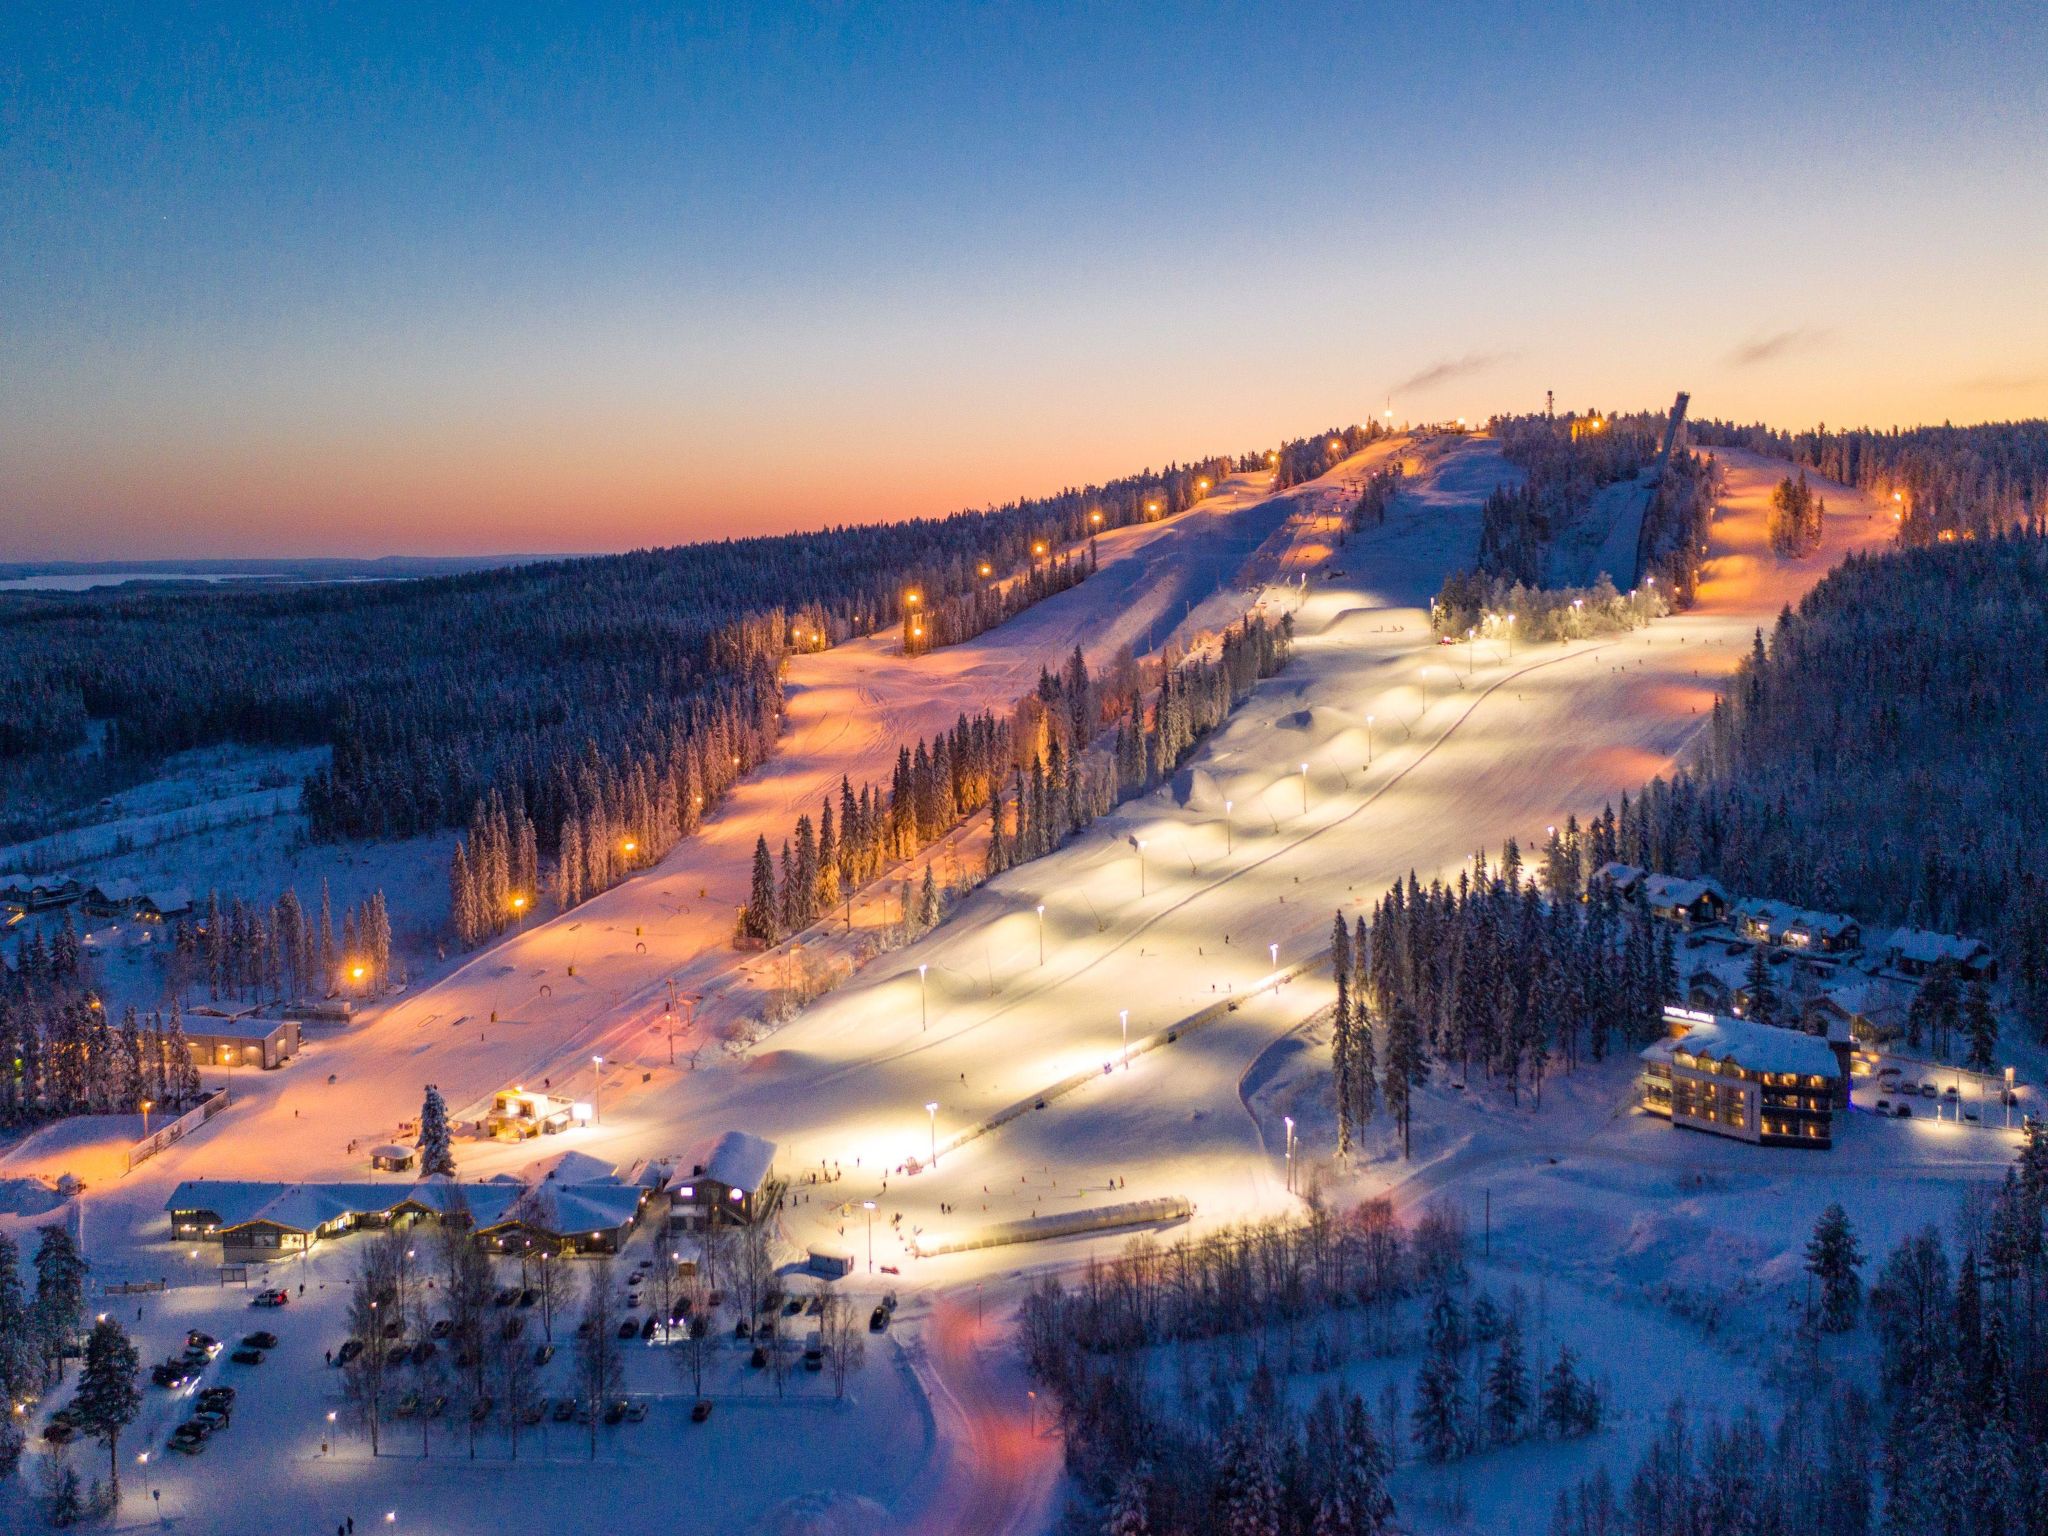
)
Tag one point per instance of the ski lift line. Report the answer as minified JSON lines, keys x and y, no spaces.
{"x":1296,"y":844}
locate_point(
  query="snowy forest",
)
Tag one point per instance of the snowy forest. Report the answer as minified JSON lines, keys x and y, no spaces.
{"x":1228,"y":1317}
{"x":1963,"y":481}
{"x":434,"y":693}
{"x":1881,"y":754}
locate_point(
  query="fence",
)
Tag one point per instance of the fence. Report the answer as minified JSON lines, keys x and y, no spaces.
{"x":1035,"y":1229}
{"x":178,"y":1129}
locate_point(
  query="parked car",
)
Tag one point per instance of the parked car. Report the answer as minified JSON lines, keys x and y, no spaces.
{"x":171,"y":1374}
{"x":350,"y":1348}
{"x":528,"y":1297}
{"x":878,"y":1320}
{"x":1884,"y":1106}
{"x":743,"y":1329}
{"x":437,"y":1405}
{"x":222,"y":1396}
{"x":212,"y":1418}
{"x":407,"y":1405}
{"x":247,"y":1357}
{"x":1905,"y":1111}
{"x":506,"y":1297}
{"x":206,"y":1341}
{"x":443,"y":1326}
{"x":193,"y":1429}
{"x":758,"y":1358}
{"x":261,"y":1339}
{"x":565,"y":1410}
{"x":271,"y":1299}
{"x":533,"y":1412}
{"x":613,"y":1413}
{"x":636,"y":1412}
{"x":544,"y":1354}
{"x":480,"y":1409}
{"x":195,"y":1359}
{"x":394,"y":1328}
{"x":700,"y":1410}
{"x":628,"y":1328}
{"x":190,"y":1445}
{"x":1929,"y":1091}
{"x":647,"y":1329}
{"x":423,"y":1351}
{"x":397,"y":1355}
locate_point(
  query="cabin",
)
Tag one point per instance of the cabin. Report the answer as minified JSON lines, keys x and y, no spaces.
{"x":735,"y":1183}
{"x":1872,"y":1008}
{"x":1760,"y":919}
{"x":111,"y":898}
{"x":164,"y":905}
{"x":1751,"y":1082}
{"x":1916,"y":951}
{"x":1688,"y":903}
{"x":515,"y":1114}
{"x":241,"y":1042}
{"x":1622,"y":878}
{"x":1822,"y":933}
{"x":37,"y":893}
{"x":393,"y":1158}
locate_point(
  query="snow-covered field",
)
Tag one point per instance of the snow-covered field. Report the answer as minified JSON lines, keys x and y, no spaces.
{"x":1375,"y":752}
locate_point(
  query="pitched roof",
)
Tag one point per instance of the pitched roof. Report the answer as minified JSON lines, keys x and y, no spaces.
{"x":1671,"y":891}
{"x":1926,"y":946}
{"x":740,"y":1161}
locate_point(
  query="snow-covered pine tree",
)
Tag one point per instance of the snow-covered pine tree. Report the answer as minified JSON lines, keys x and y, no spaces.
{"x":1507,"y":1386}
{"x":437,"y":1150}
{"x":1834,"y":1259}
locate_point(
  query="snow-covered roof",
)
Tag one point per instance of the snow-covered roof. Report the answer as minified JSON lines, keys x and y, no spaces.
{"x":113,"y":890}
{"x":1867,"y":996}
{"x":1765,"y":909}
{"x":1757,"y":1047}
{"x":560,"y":1208}
{"x":169,"y":898}
{"x":1618,"y":874}
{"x":1927,"y":947}
{"x":740,"y":1161}
{"x":1822,"y":925}
{"x":1671,"y":891}
{"x":571,"y":1168}
{"x":245,"y":1028}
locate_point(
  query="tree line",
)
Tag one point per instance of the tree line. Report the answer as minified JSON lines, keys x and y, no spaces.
{"x":1972,"y":481}
{"x":1880,"y":754}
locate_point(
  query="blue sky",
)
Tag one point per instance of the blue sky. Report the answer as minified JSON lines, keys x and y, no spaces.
{"x":365,"y":281}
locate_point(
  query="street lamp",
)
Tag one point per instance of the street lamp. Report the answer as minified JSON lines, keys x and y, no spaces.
{"x":1470,"y":648}
{"x":1274,"y":951}
{"x":869,"y":1207}
{"x":1139,"y":844}
{"x":146,"y":1107}
{"x":1290,"y":1152}
{"x":1123,"y":1017}
{"x":1304,"y":789}
{"x":1227,"y":849}
{"x":1368,"y":741}
{"x":1511,"y":628}
{"x":932,"y":1110}
{"x":1041,"y":933}
{"x":923,"y":1020}
{"x":596,"y":1090}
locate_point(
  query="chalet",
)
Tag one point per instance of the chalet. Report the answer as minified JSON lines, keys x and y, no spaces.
{"x":1621,"y":878}
{"x":111,"y":898}
{"x":735,"y":1183}
{"x":1823,"y":933}
{"x":164,"y":905}
{"x":1688,"y":903}
{"x":257,"y":1222}
{"x":515,"y":1114}
{"x":1916,"y":951}
{"x":1871,"y":1008}
{"x":37,"y":893}
{"x":1762,"y":920}
{"x":1752,"y":1082}
{"x":241,"y":1042}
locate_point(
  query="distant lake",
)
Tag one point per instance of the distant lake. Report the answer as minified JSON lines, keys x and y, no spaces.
{"x":80,"y":581}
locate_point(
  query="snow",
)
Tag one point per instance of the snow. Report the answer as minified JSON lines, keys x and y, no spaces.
{"x":1415,"y":760}
{"x":1755,"y":1047}
{"x":740,"y":1161}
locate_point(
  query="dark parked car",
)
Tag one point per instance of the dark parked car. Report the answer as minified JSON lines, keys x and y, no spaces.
{"x":636,"y":1412}
{"x":758,"y":1358}
{"x":544,"y":1354}
{"x":350,"y":1348}
{"x":700,"y":1410}
{"x":742,"y":1329}
{"x":528,"y":1297}
{"x":628,"y":1328}
{"x":565,"y":1410}
{"x":533,"y":1412}
{"x":423,"y":1351}
{"x":247,"y":1357}
{"x":506,"y":1297}
{"x":878,"y":1320}
{"x":647,"y":1329}
{"x":397,"y":1355}
{"x":480,"y":1409}
{"x":614,"y":1413}
{"x":261,"y":1339}
{"x":441,"y":1329}
{"x":197,"y":1340}
{"x":172,"y":1374}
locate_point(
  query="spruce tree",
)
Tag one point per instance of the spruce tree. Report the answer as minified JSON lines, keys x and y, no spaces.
{"x":437,"y":1152}
{"x":60,"y":1296}
{"x":1763,"y":993}
{"x":1441,"y":1403}
{"x":1980,"y":1028}
{"x":1507,"y":1387}
{"x":759,"y":919}
{"x":928,"y":903}
{"x":108,"y":1398}
{"x":1833,"y":1259}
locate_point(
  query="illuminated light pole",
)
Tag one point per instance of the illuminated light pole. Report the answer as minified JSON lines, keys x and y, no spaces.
{"x":1094,"y":519}
{"x":1274,"y":951}
{"x":1511,"y":629}
{"x":519,"y":910}
{"x":597,"y":1090}
{"x":1290,"y":1152}
{"x":1227,"y":849}
{"x":1123,"y":1017}
{"x":1368,"y":741}
{"x":1041,"y":933}
{"x":923,"y":1019}
{"x":147,"y":1106}
{"x":869,"y":1207}
{"x":1139,"y":844}
{"x":1471,"y":636}
{"x":2008,"y":1098}
{"x":1304,"y":789}
{"x":932,"y":1110}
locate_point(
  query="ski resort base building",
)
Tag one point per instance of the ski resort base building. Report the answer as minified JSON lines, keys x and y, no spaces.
{"x":1753,"y":1082}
